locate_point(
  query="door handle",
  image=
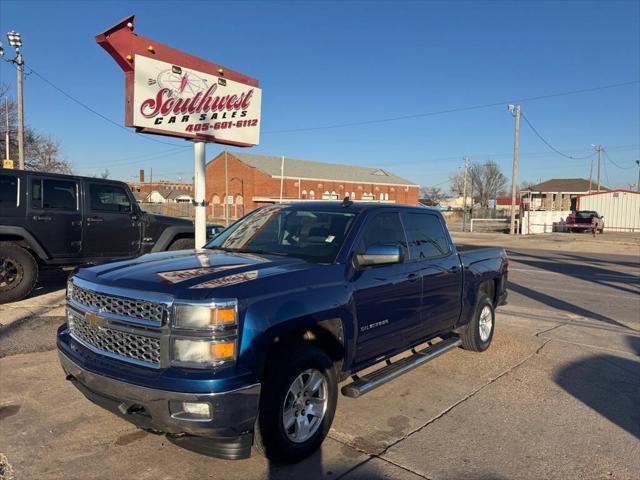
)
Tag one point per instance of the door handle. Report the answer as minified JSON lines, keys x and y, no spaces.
{"x":412,"y":277}
{"x":41,"y":218}
{"x":453,"y":269}
{"x":95,"y":219}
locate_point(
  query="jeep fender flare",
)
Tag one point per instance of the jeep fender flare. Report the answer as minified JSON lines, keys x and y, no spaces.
{"x":32,"y":243}
{"x":169,"y":234}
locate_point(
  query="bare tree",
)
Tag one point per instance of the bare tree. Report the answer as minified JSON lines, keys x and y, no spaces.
{"x":525,"y":185}
{"x":431,"y":196}
{"x":486,"y":181}
{"x":456,"y":179}
{"x":42,"y":153}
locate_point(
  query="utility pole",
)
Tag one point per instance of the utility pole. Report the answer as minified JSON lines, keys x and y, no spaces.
{"x":515,"y":111}
{"x":638,"y":184}
{"x":20,"y":63}
{"x":464,"y":195}
{"x":591,"y":176}
{"x":281,"y":178}
{"x":6,"y":133}
{"x":15,"y":40}
{"x":599,"y":150}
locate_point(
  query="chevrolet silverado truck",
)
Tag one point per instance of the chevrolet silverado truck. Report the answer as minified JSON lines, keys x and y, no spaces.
{"x":64,"y":220}
{"x":243,"y":343}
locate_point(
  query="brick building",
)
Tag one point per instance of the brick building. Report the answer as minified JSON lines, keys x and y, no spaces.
{"x":255,"y":180}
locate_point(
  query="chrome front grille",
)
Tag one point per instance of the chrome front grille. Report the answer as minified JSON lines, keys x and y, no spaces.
{"x":128,"y":346}
{"x":121,"y":306}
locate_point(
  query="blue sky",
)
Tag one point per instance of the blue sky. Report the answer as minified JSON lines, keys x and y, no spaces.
{"x":330,"y":63}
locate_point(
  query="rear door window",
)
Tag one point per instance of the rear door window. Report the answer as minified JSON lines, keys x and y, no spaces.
{"x":8,"y":191}
{"x":50,"y":194}
{"x":384,"y":229}
{"x":428,"y":238}
{"x":109,"y":198}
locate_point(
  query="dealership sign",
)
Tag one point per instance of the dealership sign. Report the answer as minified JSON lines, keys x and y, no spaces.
{"x":182,"y":101}
{"x":169,"y":92}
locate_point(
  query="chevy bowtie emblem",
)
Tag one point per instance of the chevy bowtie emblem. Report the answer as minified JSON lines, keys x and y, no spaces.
{"x":94,"y":319}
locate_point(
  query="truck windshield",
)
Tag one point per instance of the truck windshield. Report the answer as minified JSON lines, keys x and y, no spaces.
{"x":314,"y":235}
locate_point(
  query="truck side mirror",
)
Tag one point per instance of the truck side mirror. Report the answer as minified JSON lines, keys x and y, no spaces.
{"x":379,"y":255}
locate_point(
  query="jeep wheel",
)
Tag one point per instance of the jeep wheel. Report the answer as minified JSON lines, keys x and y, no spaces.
{"x":18,"y":272}
{"x":182,"y":244}
{"x":297,"y":404}
{"x":478,"y":334}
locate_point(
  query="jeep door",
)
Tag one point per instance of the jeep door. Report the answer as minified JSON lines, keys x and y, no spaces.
{"x":387,"y":297}
{"x":112,"y":226}
{"x":54,"y":217}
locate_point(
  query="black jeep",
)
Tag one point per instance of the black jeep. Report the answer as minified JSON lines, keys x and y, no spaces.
{"x":65,"y":220}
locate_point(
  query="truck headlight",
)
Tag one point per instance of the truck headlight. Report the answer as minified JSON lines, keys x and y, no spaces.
{"x":203,"y":352}
{"x":69,"y":289}
{"x":205,"y":317}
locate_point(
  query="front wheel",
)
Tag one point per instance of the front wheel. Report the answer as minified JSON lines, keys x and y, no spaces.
{"x":18,"y":272}
{"x":478,"y":333}
{"x":297,"y":404}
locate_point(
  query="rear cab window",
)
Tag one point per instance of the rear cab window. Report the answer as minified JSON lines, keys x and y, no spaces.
{"x":109,"y":198}
{"x":53,"y":194}
{"x":386,"y":229}
{"x":427,"y":236}
{"x":9,"y":192}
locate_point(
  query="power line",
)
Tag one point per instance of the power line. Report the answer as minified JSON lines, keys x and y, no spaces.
{"x":139,"y":158}
{"x":453,"y":110}
{"x":95,"y":112}
{"x":551,"y":146}
{"x":615,"y":164}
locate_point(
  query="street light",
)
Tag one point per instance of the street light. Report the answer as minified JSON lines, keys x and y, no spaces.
{"x":15,"y":40}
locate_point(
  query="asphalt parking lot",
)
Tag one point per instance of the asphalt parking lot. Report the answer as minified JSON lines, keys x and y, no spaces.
{"x":556,"y":396}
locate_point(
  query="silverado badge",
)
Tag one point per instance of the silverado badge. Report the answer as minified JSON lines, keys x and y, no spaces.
{"x":94,"y":319}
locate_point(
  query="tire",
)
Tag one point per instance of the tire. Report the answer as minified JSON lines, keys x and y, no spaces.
{"x":18,"y":272}
{"x":474,"y":337}
{"x":272,"y":438}
{"x":182,"y":244}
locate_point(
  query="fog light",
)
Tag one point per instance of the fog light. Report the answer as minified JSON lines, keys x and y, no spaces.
{"x":190,"y":410}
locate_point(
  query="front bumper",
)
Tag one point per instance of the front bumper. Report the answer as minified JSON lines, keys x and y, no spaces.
{"x":228,"y":434}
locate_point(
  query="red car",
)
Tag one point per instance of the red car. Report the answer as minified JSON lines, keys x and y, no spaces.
{"x":584,"y":220}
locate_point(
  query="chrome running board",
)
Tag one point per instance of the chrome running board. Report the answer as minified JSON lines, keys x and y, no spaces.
{"x":362,"y":385}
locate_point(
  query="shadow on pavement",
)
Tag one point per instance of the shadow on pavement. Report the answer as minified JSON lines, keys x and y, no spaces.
{"x":589,"y":273}
{"x":608,"y":384}
{"x":561,"y":304}
{"x":50,"y":280}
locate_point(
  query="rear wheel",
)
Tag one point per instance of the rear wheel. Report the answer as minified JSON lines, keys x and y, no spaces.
{"x":182,"y":244}
{"x":18,"y":272}
{"x":297,"y":403}
{"x":478,"y":334}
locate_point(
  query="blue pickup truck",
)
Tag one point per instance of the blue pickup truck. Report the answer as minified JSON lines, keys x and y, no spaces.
{"x":244,"y":342}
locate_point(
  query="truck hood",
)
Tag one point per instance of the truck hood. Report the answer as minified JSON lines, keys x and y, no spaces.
{"x":193,"y":273}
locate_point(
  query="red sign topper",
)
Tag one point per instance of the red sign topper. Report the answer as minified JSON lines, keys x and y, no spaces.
{"x":169,"y":92}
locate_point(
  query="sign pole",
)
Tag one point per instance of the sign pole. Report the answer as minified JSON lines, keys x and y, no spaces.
{"x":200,"y":203}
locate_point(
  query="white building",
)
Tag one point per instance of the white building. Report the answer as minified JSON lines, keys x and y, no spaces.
{"x":620,"y":209}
